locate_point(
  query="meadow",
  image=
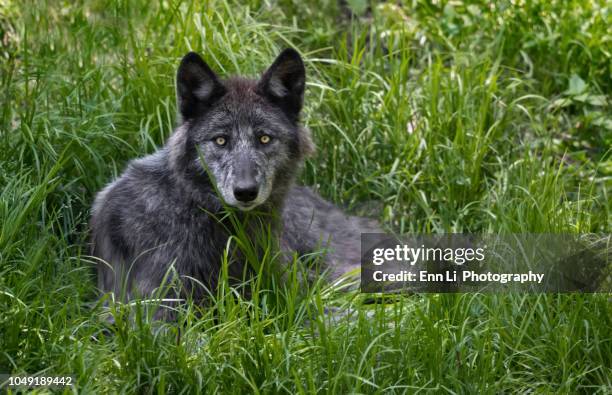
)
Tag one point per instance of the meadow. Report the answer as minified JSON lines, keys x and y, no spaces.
{"x":431,"y":116}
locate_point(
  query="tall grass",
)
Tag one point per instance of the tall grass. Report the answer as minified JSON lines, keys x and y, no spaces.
{"x":449,"y":116}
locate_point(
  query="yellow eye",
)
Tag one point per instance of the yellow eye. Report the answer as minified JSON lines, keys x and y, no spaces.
{"x":220,"y":140}
{"x":264,"y":139}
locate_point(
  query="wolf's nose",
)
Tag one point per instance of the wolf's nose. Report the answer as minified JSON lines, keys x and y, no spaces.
{"x":246,"y":194}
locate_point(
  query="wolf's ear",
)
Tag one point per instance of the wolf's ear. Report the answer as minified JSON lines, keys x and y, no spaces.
{"x":283,"y":83}
{"x":197,"y":86}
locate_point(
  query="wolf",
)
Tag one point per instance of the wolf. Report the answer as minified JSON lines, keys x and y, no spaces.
{"x":239,"y":144}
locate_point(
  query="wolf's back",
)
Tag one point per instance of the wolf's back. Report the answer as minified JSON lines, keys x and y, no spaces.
{"x":311,"y":223}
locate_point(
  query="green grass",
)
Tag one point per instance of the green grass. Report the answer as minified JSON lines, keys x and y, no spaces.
{"x":451,"y":117}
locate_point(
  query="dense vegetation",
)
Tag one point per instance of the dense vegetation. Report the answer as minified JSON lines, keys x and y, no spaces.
{"x":433,"y":116}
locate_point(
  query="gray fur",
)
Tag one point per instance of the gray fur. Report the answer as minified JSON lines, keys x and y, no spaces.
{"x":161,"y":212}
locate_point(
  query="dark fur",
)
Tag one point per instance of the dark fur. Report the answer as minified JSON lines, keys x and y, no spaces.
{"x":158,"y":213}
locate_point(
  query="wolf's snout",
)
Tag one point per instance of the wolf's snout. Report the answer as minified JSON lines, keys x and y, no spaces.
{"x":245,"y":186}
{"x":246,"y":193}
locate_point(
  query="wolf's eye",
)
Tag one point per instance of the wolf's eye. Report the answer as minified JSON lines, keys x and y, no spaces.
{"x":264,"y":139}
{"x":220,"y":141}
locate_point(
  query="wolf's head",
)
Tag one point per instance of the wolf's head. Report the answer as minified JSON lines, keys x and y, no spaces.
{"x":247,"y":131}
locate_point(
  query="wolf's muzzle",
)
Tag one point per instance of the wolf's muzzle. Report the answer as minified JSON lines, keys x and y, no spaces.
{"x":246,"y":193}
{"x":246,"y":187}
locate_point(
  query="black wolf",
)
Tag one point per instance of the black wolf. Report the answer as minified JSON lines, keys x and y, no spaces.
{"x":238,"y":144}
